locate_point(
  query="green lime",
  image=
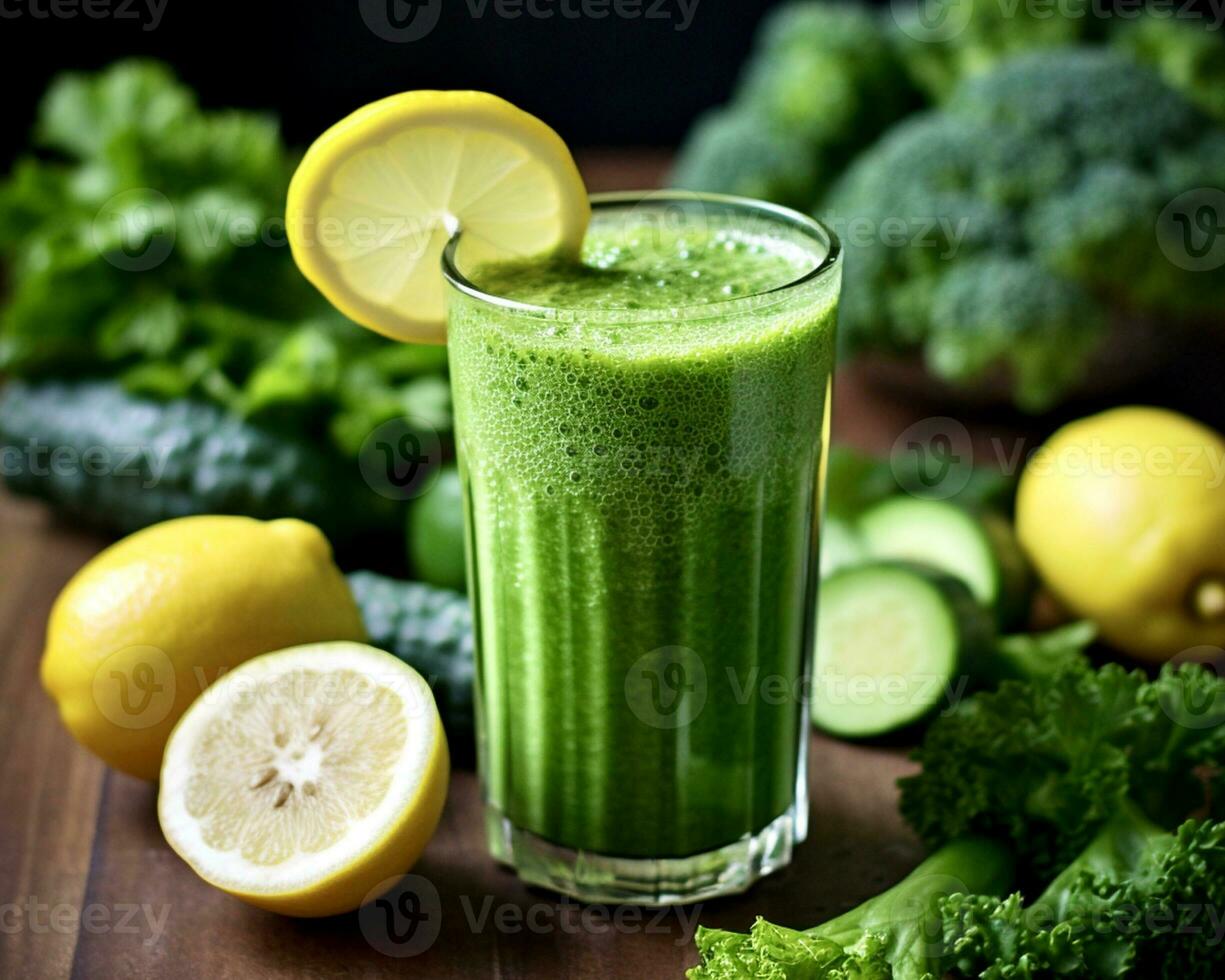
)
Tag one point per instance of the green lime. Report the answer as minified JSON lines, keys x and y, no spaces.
{"x":436,"y":533}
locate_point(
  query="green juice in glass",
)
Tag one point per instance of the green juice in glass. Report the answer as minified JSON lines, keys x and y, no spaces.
{"x":640,"y":442}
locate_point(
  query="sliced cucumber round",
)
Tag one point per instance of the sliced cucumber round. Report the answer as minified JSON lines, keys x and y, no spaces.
{"x":979,"y":549}
{"x":894,"y":642}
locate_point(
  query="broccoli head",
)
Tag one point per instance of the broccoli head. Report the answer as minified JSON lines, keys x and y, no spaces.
{"x":1014,"y":224}
{"x":1186,"y":52}
{"x":730,"y":151}
{"x":827,"y":71}
{"x":942,"y":42}
{"x":822,"y":82}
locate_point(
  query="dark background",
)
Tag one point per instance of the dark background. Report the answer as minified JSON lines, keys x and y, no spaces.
{"x":600,"y":82}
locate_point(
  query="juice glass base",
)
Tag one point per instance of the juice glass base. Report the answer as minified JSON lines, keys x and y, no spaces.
{"x":606,"y":879}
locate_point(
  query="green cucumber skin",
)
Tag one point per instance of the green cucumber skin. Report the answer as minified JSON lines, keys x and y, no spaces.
{"x":1008,"y":566}
{"x":430,"y":629}
{"x":1016,"y":578}
{"x":976,"y":627}
{"x":206,"y":461}
{"x":973,"y":625}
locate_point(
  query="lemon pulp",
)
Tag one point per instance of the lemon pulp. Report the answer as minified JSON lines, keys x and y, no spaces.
{"x":306,"y":777}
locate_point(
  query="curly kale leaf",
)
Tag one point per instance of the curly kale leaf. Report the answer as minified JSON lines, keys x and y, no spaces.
{"x":1137,"y":901}
{"x":1046,"y":764}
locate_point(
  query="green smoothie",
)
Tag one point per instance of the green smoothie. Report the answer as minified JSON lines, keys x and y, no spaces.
{"x":640,"y":436}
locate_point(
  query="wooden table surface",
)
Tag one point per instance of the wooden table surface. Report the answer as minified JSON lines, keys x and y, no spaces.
{"x":89,"y":889}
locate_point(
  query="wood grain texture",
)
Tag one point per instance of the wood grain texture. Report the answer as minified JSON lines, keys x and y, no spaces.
{"x":85,"y":841}
{"x":49,"y":788}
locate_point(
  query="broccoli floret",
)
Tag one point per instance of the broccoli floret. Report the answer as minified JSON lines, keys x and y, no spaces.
{"x":1030,"y":204}
{"x":827,"y":71}
{"x":730,"y":151}
{"x":823,"y":81}
{"x":1187,"y":53}
{"x":898,"y":935}
{"x":943,"y":42}
{"x":1135,"y":902}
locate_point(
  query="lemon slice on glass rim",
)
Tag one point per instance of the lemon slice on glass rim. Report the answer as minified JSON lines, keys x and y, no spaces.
{"x":378,"y":196}
{"x":305,"y":779}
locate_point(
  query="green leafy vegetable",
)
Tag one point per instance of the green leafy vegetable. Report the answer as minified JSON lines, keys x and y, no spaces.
{"x":120,"y":462}
{"x":145,"y":241}
{"x":1078,"y":773}
{"x":899,"y":934}
{"x":430,"y":629}
{"x":1137,"y":901}
{"x":1043,"y":656}
{"x":1045,"y":764}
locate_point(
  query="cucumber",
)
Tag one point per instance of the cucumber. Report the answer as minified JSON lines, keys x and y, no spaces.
{"x":118,"y":463}
{"x":895,"y":641}
{"x":430,"y":629}
{"x":436,"y":533}
{"x":980,"y":549}
{"x":841,"y":546}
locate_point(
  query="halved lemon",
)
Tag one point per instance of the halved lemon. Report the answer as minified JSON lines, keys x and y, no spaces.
{"x":305,"y":778}
{"x":378,"y":196}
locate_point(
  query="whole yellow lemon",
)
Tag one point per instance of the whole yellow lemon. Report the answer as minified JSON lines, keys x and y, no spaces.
{"x":1123,"y":516}
{"x":150,"y":622}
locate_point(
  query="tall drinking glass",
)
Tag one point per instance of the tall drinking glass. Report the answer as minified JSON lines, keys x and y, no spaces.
{"x":641,"y":457}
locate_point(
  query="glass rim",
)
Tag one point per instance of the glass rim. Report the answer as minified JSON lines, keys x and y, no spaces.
{"x":809,"y":226}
